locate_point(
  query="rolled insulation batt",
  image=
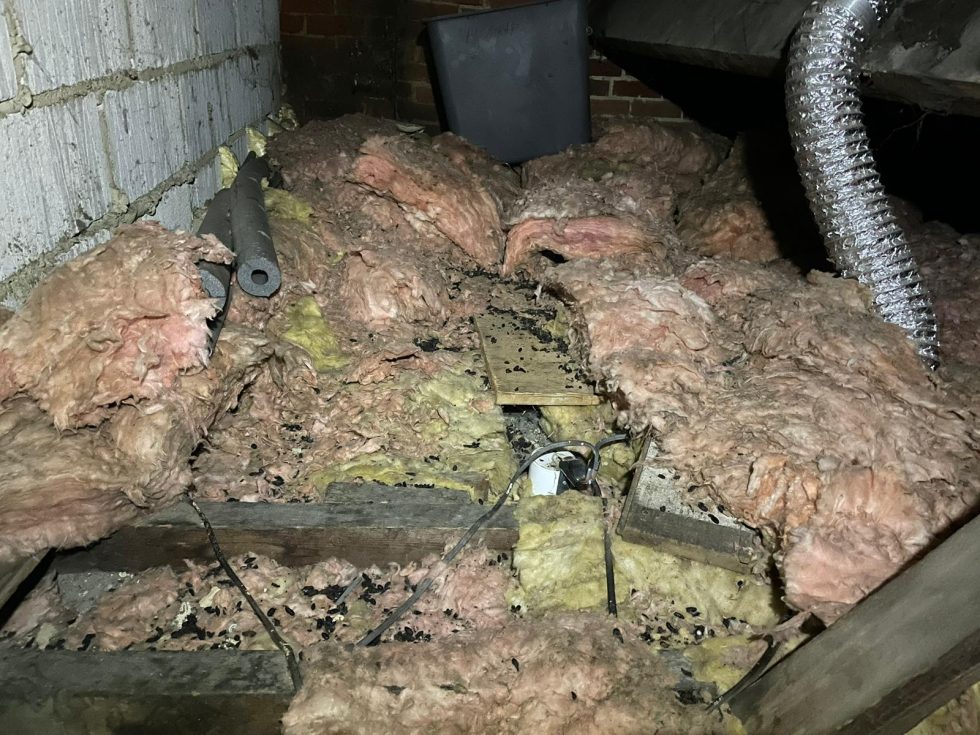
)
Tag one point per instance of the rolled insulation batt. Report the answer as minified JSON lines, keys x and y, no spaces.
{"x":215,"y":277}
{"x":257,"y":267}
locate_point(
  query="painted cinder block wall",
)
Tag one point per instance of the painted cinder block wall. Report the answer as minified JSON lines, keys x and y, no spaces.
{"x":370,"y":56}
{"x":113,"y":110}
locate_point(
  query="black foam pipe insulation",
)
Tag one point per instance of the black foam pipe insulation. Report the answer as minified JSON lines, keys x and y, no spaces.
{"x":257,"y":267}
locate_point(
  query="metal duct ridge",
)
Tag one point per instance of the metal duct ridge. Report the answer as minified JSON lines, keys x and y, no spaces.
{"x":838,"y":171}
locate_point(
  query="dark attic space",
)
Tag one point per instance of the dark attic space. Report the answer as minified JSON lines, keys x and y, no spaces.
{"x":499,"y":366}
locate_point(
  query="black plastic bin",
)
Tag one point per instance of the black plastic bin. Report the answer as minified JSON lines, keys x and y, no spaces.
{"x":515,"y":81}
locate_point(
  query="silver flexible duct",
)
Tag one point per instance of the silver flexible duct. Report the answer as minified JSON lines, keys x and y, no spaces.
{"x":839,"y":175}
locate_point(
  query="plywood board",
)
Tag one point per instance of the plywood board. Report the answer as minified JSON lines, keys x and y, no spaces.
{"x":528,"y":367}
{"x":658,"y":514}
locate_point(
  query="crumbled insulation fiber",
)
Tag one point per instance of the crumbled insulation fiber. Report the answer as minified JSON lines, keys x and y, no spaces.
{"x":566,"y":674}
{"x":281,"y":203}
{"x":559,"y":559}
{"x":196,"y":608}
{"x":117,"y":324}
{"x":65,"y":489}
{"x":309,"y":330}
{"x":440,"y":428}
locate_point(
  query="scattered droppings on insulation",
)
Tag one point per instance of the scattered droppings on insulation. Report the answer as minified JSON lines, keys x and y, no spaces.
{"x":197,"y":608}
{"x":568,"y":673}
{"x":559,"y":560}
{"x":791,"y":403}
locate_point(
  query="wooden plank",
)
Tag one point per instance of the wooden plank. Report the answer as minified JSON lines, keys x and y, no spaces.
{"x":295,"y":534}
{"x":12,"y":574}
{"x":146,"y":692}
{"x":889,"y":662}
{"x":656,"y":514}
{"x":926,"y":52}
{"x":527,"y":370}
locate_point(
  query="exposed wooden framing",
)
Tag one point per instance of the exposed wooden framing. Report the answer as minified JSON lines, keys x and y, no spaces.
{"x":526,"y":371}
{"x":12,"y":574}
{"x":372,"y":525}
{"x":145,"y":692}
{"x":655,"y":514}
{"x":909,"y":648}
{"x":926,"y":52}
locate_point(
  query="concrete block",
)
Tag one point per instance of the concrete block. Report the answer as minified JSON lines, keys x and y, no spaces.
{"x":260,"y":84}
{"x":164,"y":32}
{"x":240,"y":147}
{"x":258,"y":22}
{"x":73,"y":40}
{"x":174,"y":210}
{"x":201,"y":111}
{"x":8,"y":77}
{"x":217,"y":24}
{"x":238,"y":104}
{"x":146,"y":135}
{"x":83,"y":245}
{"x":206,"y":183}
{"x":54,"y":179}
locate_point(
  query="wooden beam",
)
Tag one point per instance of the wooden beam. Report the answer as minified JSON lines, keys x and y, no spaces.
{"x":146,"y":692}
{"x":656,"y":514}
{"x":525,"y":368}
{"x":907,"y":649}
{"x":12,"y":574}
{"x":373,"y":525}
{"x":925,"y":53}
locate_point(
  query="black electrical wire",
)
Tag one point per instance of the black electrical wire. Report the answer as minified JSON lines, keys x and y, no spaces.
{"x":281,"y":643}
{"x":610,"y":561}
{"x":426,"y":583}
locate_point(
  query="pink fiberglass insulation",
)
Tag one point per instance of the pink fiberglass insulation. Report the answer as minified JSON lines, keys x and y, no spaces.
{"x":196,"y":608}
{"x":564,"y":674}
{"x":383,"y":287}
{"x":725,"y":218}
{"x":119,"y":323}
{"x":683,"y":154}
{"x":950,"y":267}
{"x":793,"y":405}
{"x":501,"y":180}
{"x":564,"y":211}
{"x":69,"y":488}
{"x":430,"y":188}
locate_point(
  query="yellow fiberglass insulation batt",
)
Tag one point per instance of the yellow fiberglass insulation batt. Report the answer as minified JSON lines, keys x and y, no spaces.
{"x":560,"y":564}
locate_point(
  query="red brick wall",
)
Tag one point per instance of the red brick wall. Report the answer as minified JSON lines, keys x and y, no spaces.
{"x":371,"y":56}
{"x":340,"y":56}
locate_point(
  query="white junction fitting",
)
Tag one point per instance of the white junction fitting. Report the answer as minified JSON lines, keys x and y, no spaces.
{"x":838,"y":171}
{"x":545,"y":473}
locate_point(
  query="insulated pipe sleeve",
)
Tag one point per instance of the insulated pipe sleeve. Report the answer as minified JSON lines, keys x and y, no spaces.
{"x":215,"y":277}
{"x":257,"y":267}
{"x":839,"y":175}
